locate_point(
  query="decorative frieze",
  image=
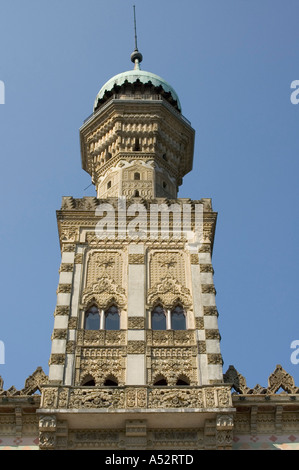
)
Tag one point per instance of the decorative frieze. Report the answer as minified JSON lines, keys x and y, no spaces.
{"x":136,"y":397}
{"x":66,"y":267}
{"x":170,"y":338}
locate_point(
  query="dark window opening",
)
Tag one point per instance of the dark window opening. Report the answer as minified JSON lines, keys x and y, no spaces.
{"x":160,"y":382}
{"x":110,"y":383}
{"x":136,"y":145}
{"x":136,"y":194}
{"x":178,"y":318}
{"x":182,"y":382}
{"x":112,"y":318}
{"x":158,"y":318}
{"x":109,"y":184}
{"x":136,"y":176}
{"x":90,"y":383}
{"x":92,"y":319}
{"x":164,"y":185}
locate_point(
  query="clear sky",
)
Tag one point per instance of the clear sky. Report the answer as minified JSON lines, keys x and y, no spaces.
{"x":232,"y":63}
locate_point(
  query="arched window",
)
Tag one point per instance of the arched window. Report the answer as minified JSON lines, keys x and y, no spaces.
{"x":92,"y":319}
{"x":182,"y":381}
{"x":178,"y":318}
{"x":160,"y":381}
{"x":88,"y":381}
{"x":158,"y":318}
{"x":111,"y":381}
{"x":136,"y":176}
{"x":112,"y":318}
{"x":136,"y":193}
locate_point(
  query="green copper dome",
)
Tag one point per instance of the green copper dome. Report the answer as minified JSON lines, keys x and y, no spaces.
{"x":137,"y":75}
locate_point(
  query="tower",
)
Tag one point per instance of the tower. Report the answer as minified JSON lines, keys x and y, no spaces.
{"x":135,"y":360}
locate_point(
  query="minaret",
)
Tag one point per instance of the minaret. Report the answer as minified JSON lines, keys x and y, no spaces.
{"x":136,"y":340}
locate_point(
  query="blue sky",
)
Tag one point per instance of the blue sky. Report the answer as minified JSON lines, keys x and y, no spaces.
{"x":231,"y":63}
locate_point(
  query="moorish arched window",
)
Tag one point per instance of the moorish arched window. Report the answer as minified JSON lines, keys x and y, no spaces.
{"x":158,"y":318}
{"x":178,"y":318}
{"x":112,"y":318}
{"x":111,"y":381}
{"x":160,"y":381}
{"x":92,"y":319}
{"x":182,"y":381}
{"x":88,"y":381}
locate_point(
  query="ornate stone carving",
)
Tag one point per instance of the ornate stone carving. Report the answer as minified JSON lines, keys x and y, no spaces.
{"x":278,"y":379}
{"x":101,"y":363}
{"x":212,"y":334}
{"x":175,"y":398}
{"x":62,"y":310}
{"x":91,"y":398}
{"x":172,"y":364}
{"x":73,"y":323}
{"x":103,"y":292}
{"x":104,"y":264}
{"x":206,"y":268}
{"x":169,"y":292}
{"x":199,"y":323}
{"x":68,"y":235}
{"x":59,"y":334}
{"x":78,"y":258}
{"x":215,"y":359}
{"x":103,"y":337}
{"x":170,"y":338}
{"x":34,"y":382}
{"x":202,"y":348}
{"x":210,"y":310}
{"x":68,"y":247}
{"x":70,"y":347}
{"x":57,"y":359}
{"x":66,"y":267}
{"x":194,"y":258}
{"x":136,"y":323}
{"x":136,"y":347}
{"x":167,"y":265}
{"x":208,"y":289}
{"x":136,"y":258}
{"x":64,"y":289}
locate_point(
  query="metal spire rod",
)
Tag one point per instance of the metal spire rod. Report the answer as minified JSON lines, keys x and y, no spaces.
{"x":136,"y":48}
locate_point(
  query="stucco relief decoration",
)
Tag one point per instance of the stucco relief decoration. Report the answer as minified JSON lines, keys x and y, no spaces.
{"x":168,"y":292}
{"x":103,"y":292}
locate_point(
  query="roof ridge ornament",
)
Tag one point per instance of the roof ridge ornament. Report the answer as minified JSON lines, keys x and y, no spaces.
{"x":136,"y":56}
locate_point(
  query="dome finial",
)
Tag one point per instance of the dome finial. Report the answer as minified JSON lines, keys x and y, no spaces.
{"x":136,"y":56}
